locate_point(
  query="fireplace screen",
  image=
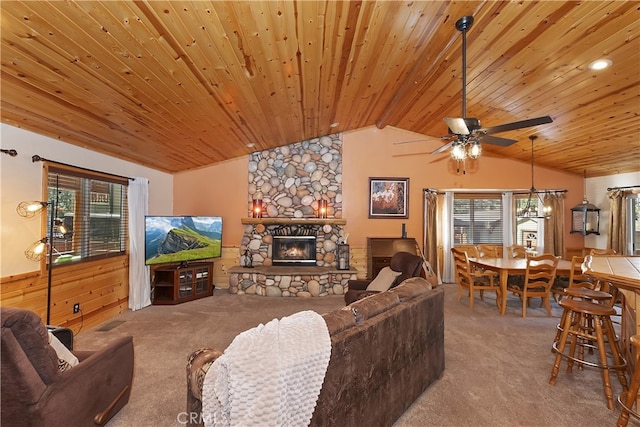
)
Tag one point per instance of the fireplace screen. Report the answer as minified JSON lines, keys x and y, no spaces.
{"x":294,"y":250}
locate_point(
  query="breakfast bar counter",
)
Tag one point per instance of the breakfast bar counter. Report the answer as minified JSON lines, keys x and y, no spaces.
{"x":623,"y":272}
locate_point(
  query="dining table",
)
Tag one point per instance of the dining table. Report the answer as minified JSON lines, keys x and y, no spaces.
{"x":512,"y":266}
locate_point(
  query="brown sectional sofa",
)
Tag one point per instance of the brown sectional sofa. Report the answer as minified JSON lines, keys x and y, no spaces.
{"x":386,"y":350}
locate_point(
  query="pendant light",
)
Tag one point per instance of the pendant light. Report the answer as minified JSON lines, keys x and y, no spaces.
{"x":534,"y":207}
{"x":585,"y":217}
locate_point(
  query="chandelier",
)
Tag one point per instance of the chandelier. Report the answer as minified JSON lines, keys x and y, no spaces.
{"x":534,"y":208}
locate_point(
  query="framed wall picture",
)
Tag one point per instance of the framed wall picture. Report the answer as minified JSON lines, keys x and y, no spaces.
{"x":388,"y":197}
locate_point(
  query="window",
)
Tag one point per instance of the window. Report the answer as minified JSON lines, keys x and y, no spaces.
{"x":527,"y":229}
{"x":90,"y":214}
{"x":477,"y":219}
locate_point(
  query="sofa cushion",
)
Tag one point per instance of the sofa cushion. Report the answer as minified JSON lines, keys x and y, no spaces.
{"x":383,"y":280}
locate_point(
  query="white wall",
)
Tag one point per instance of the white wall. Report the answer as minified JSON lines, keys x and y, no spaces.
{"x":597,"y":194}
{"x":21,"y":179}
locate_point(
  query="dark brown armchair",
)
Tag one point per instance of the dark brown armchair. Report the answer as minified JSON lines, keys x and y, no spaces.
{"x":407,"y":264}
{"x":36,"y":392}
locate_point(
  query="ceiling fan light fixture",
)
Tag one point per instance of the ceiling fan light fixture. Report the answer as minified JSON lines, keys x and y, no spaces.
{"x":475,"y":150}
{"x":458,"y":152}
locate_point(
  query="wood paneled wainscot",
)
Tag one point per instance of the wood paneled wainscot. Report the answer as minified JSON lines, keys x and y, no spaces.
{"x":100,"y":287}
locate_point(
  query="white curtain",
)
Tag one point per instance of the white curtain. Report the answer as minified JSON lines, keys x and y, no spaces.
{"x":447,"y":238}
{"x":508,"y":219}
{"x":139,"y":279}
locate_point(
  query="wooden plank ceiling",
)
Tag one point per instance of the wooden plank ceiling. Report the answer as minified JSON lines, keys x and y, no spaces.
{"x":177,"y":85}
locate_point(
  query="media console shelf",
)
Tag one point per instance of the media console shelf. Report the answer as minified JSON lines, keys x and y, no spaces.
{"x":178,"y":284}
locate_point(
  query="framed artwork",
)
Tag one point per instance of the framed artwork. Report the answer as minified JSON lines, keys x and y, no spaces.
{"x":388,"y":197}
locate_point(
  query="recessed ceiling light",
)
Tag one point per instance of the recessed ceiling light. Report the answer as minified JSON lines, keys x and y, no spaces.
{"x":600,"y":64}
{"x":334,"y":125}
{"x":251,"y":145}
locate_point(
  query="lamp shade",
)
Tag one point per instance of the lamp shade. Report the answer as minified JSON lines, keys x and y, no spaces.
{"x":585,"y":218}
{"x":37,"y":251}
{"x":30,"y":209}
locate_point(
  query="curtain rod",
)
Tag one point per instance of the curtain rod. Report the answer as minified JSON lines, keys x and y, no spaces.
{"x":628,"y":187}
{"x":36,"y":158}
{"x":429,"y":190}
{"x":540,"y":192}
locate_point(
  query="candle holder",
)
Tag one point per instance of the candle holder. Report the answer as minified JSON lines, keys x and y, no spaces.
{"x":257,"y":208}
{"x":323,"y":207}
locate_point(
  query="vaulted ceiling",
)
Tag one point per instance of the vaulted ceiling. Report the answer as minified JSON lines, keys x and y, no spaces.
{"x":176,"y":85}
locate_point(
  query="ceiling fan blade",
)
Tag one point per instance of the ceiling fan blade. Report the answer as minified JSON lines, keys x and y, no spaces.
{"x":496,"y":140}
{"x":457,"y":125}
{"x":517,"y":125}
{"x":443,"y":148}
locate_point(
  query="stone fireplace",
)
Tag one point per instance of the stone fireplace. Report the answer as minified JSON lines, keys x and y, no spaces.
{"x":293,"y":251}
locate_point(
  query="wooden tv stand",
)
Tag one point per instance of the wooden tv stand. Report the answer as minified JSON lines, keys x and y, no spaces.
{"x":177,"y":284}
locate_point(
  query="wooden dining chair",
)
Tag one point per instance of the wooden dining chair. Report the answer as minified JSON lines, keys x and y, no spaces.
{"x":538,"y":280}
{"x":488,"y":251}
{"x":472,"y":280}
{"x":517,"y":251}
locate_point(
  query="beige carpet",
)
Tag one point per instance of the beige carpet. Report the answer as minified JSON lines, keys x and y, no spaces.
{"x":497,"y":367}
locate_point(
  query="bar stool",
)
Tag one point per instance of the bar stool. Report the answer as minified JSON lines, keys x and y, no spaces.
{"x":579,"y":317}
{"x":627,"y":399}
{"x":581,"y":287}
{"x":584,"y":294}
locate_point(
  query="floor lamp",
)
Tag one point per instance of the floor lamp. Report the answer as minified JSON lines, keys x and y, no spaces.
{"x":37,"y":250}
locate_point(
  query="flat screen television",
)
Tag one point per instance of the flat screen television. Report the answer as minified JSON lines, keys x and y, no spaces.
{"x":179,"y":239}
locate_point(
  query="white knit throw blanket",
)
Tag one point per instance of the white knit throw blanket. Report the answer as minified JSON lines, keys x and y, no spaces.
{"x":270,"y":375}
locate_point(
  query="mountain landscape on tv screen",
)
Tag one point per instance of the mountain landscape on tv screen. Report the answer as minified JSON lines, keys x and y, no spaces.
{"x":171,"y":239}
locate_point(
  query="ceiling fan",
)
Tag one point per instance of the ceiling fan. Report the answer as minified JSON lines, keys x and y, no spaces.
{"x":466,"y":133}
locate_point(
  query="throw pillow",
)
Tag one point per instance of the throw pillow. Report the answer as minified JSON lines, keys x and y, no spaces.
{"x":383,"y":280}
{"x":66,"y":359}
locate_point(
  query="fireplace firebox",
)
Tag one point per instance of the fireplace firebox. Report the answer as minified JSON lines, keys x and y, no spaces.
{"x":293,"y":250}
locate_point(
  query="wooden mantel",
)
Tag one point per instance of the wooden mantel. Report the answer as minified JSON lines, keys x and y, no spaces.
{"x":294,"y":221}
